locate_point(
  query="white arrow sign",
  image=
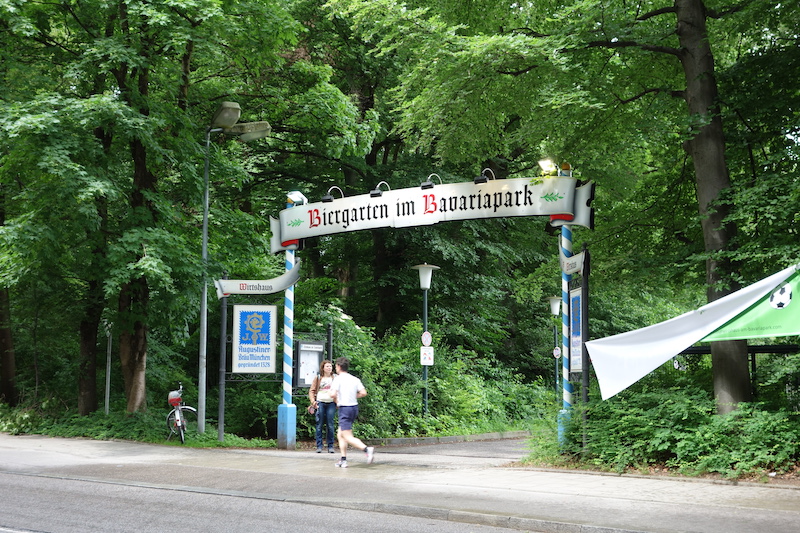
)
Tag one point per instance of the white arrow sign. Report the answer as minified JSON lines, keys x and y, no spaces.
{"x":573,"y":264}
{"x":227,"y":287}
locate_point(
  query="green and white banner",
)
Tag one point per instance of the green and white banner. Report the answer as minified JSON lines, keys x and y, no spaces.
{"x":763,"y":309}
{"x":773,"y":316}
{"x":421,"y":207}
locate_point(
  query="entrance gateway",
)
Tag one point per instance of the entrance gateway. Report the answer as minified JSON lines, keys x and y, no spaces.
{"x":563,"y":198}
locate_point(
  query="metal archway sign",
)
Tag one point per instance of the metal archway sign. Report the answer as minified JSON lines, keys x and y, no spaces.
{"x":559,"y":196}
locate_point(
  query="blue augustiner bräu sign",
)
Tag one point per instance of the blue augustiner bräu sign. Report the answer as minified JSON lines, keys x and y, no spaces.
{"x":444,"y":202}
{"x":254,"y":340}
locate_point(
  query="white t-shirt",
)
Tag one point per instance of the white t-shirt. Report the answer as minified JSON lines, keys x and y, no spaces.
{"x":347,"y":386}
{"x":324,"y":391}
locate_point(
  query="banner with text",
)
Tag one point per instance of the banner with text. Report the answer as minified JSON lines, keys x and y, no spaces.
{"x":772,"y":316}
{"x":420,"y":207}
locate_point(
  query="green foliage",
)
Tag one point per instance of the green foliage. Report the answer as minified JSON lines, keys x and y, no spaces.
{"x":747,"y":441}
{"x":145,"y":427}
{"x":544,"y":446}
{"x":466,"y":393}
{"x":142,"y":427}
{"x":19,"y":421}
{"x":642,"y":427}
{"x":362,"y":91}
{"x":250,"y":408}
{"x":677,"y":428}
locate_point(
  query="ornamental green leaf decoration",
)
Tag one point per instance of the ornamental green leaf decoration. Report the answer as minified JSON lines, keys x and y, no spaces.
{"x":294,"y":223}
{"x":552,"y":197}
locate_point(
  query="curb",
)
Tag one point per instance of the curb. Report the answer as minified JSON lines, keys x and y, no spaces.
{"x":414,"y":441}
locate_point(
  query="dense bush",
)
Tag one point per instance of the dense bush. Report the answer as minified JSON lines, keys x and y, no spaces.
{"x":747,"y":441}
{"x":676,"y":427}
{"x":466,"y":393}
{"x":641,"y":427}
{"x":17,"y":421}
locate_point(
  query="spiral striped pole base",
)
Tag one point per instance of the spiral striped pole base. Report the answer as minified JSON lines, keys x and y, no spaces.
{"x":287,"y":411}
{"x":566,"y":406}
{"x":288,"y":333}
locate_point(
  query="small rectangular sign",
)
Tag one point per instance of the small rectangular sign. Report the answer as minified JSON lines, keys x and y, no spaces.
{"x":575,"y":333}
{"x":573,"y":264}
{"x":309,"y":355}
{"x":254,"y":343}
{"x":426,"y":355}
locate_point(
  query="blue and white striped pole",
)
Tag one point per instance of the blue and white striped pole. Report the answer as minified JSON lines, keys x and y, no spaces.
{"x":566,"y":407}
{"x":287,"y":411}
{"x":288,"y":332}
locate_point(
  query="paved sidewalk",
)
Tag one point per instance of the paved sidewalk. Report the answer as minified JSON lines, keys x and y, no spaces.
{"x":456,"y":481}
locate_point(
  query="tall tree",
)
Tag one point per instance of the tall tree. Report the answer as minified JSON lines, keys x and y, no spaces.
{"x":578,"y":79}
{"x":371,"y":268}
{"x":104,"y":108}
{"x":8,"y":368}
{"x":108,"y":136}
{"x":706,"y":145}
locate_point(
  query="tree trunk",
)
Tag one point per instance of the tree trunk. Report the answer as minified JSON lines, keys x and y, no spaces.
{"x":8,"y":372}
{"x":87,"y":368}
{"x":94,"y":302}
{"x":347,"y":272}
{"x":382,"y":263}
{"x":133,"y":344}
{"x":90,"y":324}
{"x":707,"y":149}
{"x":8,"y":368}
{"x":134,"y":299}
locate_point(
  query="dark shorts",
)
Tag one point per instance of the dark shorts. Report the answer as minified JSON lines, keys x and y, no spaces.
{"x":347,"y":415}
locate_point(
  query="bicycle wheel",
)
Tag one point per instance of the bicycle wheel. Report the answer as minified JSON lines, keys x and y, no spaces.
{"x":181,"y":427}
{"x":189,"y":422}
{"x":172,"y":425}
{"x":189,"y":418}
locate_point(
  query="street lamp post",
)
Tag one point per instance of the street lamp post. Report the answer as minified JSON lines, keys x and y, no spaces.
{"x":224,"y":120}
{"x":555,"y":310}
{"x":425,"y":275}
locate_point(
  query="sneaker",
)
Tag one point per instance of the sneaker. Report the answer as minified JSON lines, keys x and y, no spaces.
{"x":370,"y":451}
{"x":319,"y":450}
{"x":330,"y":450}
{"x":342,"y":463}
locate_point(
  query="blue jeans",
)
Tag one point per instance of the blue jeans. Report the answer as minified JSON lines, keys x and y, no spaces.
{"x":325,"y":414}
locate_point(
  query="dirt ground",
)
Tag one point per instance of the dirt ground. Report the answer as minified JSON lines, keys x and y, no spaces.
{"x":786,"y":479}
{"x":789,"y":479}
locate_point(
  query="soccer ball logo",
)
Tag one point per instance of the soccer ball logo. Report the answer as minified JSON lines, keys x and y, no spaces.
{"x":782,"y":297}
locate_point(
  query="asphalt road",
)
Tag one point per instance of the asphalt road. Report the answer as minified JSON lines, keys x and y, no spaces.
{"x":57,"y":505}
{"x":62,"y":485}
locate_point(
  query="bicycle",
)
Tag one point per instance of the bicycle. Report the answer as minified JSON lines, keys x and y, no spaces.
{"x":181,"y":415}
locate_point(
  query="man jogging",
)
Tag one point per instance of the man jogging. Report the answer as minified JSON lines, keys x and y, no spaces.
{"x":346,"y":390}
